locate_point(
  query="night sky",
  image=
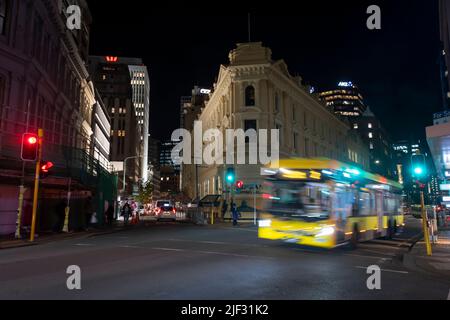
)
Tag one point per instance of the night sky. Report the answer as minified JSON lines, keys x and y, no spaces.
{"x":183,"y":45}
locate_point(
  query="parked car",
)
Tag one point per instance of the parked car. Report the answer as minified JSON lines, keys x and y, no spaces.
{"x":165,"y":210}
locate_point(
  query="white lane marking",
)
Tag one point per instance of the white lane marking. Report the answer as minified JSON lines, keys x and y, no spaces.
{"x":130,"y":247}
{"x":218,"y":242}
{"x":386,"y":270}
{"x":169,"y":249}
{"x":214,"y":253}
{"x":363,"y":256}
{"x":84,"y":244}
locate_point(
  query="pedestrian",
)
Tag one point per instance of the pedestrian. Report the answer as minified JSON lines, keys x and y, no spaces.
{"x":110,"y":213}
{"x":235,"y":214}
{"x":88,"y":211}
{"x":126,"y":211}
{"x":224,"y":209}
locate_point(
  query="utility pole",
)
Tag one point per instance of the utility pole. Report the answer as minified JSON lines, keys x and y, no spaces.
{"x":425,"y":224}
{"x":22,"y":186}
{"x":36,"y":184}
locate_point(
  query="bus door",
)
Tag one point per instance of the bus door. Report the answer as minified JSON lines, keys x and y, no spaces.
{"x":379,"y":210}
{"x":341,"y":207}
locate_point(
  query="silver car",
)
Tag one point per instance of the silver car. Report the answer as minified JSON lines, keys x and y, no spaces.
{"x":165,"y":210}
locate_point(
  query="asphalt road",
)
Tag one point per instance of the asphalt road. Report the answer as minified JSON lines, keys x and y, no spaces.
{"x":183,"y":261}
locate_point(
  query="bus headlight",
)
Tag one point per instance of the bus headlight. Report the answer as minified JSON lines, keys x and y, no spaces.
{"x":265,"y":223}
{"x":326,"y":231}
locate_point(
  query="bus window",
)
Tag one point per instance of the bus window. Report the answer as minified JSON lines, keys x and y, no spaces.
{"x":365,"y":207}
{"x":302,"y":200}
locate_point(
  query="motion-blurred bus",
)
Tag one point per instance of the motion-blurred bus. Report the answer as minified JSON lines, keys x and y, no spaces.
{"x":327,"y":203}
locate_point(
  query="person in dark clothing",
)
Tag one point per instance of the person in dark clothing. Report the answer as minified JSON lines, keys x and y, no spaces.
{"x":88,"y":211}
{"x":110,"y":213}
{"x":224,"y":209}
{"x":234,"y":214}
{"x":126,"y":212}
{"x":60,"y":216}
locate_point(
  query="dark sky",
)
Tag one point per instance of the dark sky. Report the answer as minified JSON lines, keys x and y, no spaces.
{"x":327,"y":42}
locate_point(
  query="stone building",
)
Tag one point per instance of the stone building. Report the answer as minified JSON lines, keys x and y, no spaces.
{"x":44,"y":83}
{"x":255,"y":92}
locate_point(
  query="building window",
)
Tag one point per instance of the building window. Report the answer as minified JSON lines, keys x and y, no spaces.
{"x":277,"y":102}
{"x":249,"y":125}
{"x":370,"y":135}
{"x":371,"y":146}
{"x":280,"y":133}
{"x":355,"y":126}
{"x":250,"y":96}
{"x":369,"y":126}
{"x":3,"y":16}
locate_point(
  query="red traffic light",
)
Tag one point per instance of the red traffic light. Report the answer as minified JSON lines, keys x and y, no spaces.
{"x":46,"y":167}
{"x":30,"y":145}
{"x":240,"y":184}
{"x":32,"y":140}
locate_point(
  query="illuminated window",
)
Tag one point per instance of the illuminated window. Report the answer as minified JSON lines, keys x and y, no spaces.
{"x":371,"y":146}
{"x":370,"y":135}
{"x":370,"y":126}
{"x":355,"y":126}
{"x":113,"y":110}
{"x":104,"y":77}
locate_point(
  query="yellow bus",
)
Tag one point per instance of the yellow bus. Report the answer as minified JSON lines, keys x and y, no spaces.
{"x":326,"y":203}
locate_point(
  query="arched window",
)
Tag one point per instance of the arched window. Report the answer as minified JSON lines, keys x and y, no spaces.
{"x":250,"y":96}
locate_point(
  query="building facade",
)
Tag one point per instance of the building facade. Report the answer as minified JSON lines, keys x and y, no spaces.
{"x":346,"y":100}
{"x":44,"y":83}
{"x":113,"y":82}
{"x":256,"y":92}
{"x":378,"y":142}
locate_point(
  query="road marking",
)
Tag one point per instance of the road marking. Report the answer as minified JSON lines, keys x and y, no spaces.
{"x":370,"y":257}
{"x":386,"y":270}
{"x":214,"y":253}
{"x":83,"y":244}
{"x":130,"y":247}
{"x":169,"y":249}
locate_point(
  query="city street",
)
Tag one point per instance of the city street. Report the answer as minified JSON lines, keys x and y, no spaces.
{"x":182,"y":261}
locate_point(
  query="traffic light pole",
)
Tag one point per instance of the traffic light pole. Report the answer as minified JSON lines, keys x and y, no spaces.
{"x":36,"y":184}
{"x":425,"y":225}
{"x":22,"y":186}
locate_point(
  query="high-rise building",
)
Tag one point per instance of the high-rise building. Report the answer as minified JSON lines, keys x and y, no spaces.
{"x":155,"y":168}
{"x":140,"y":82}
{"x":345,"y":100}
{"x":113,"y":81}
{"x":378,"y":142}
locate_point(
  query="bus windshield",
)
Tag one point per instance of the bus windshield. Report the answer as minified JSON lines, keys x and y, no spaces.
{"x":299,"y":200}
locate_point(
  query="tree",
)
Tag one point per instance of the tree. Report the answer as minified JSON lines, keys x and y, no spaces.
{"x":145,"y":193}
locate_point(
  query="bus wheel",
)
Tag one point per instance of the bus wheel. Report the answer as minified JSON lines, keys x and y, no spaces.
{"x":355,"y":237}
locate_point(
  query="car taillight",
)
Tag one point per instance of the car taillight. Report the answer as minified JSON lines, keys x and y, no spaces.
{"x":174,"y":210}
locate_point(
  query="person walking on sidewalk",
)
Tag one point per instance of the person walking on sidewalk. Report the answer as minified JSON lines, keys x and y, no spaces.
{"x":234,"y":214}
{"x":126,"y":211}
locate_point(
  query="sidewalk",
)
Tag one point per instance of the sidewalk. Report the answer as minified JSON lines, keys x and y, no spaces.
{"x":438,"y":264}
{"x":9,"y":243}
